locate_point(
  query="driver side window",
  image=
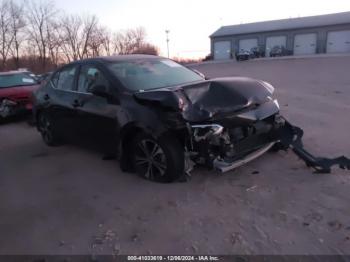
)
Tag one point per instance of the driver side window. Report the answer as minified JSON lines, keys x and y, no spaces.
{"x":89,"y":77}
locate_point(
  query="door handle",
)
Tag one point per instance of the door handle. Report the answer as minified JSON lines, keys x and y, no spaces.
{"x":46,"y":97}
{"x":77,"y":103}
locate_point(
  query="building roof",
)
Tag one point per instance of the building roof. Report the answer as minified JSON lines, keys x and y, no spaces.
{"x":284,"y":24}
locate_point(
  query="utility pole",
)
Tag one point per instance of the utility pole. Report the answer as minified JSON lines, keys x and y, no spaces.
{"x":167,"y":40}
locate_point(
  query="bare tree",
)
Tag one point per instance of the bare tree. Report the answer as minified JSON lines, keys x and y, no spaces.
{"x":70,"y":30}
{"x":33,"y":31}
{"x":6,"y":37}
{"x":100,"y":43}
{"x":128,"y":41}
{"x":147,"y":49}
{"x":17,"y":24}
{"x":90,"y":24}
{"x":77,"y":34}
{"x":106,"y":41}
{"x":40,"y":15}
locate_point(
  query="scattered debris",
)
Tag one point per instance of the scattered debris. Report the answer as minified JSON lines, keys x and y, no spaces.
{"x":62,"y":243}
{"x":97,"y":241}
{"x":336,"y":225}
{"x":135,"y":238}
{"x":235,"y":238}
{"x":255,"y":172}
{"x":251,"y":188}
{"x":314,"y":216}
{"x":283,"y":215}
{"x":116,"y":249}
{"x":110,"y":235}
{"x":194,"y":248}
{"x":305,"y":224}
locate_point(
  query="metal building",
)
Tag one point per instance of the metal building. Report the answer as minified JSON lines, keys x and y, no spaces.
{"x":306,"y":35}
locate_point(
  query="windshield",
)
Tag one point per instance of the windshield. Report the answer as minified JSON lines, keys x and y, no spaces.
{"x":141,"y":75}
{"x":12,"y":80}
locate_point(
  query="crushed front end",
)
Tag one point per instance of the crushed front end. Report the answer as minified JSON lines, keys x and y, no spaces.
{"x":229,"y":122}
{"x":10,"y":107}
{"x":227,"y":143}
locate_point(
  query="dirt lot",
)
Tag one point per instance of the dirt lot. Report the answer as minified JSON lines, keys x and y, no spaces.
{"x":67,"y":200}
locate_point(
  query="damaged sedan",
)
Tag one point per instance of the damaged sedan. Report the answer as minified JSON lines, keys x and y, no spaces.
{"x":16,"y":90}
{"x":161,"y":119}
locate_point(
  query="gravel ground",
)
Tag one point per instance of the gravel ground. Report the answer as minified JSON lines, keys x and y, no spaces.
{"x":67,"y":200}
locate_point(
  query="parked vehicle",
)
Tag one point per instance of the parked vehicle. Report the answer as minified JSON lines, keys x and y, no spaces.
{"x":243,"y":55}
{"x":161,"y":118}
{"x":15,"y":93}
{"x":255,"y":52}
{"x":280,"y":51}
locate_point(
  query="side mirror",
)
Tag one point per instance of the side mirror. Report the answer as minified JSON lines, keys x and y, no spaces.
{"x":99,"y":90}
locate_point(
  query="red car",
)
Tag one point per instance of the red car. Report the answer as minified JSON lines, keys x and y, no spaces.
{"x":16,"y":90}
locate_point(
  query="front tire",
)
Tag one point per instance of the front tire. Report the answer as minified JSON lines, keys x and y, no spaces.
{"x":47,"y":129}
{"x":160,"y":160}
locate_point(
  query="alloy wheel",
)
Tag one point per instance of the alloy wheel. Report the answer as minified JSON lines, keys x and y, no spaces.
{"x":45,"y":128}
{"x":150,"y":159}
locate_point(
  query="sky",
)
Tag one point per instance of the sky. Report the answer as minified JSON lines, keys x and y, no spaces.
{"x":192,"y":21}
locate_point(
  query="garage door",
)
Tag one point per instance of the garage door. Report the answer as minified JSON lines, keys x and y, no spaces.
{"x":222,"y":50}
{"x":338,"y":42}
{"x":248,"y":44}
{"x":305,"y":44}
{"x":273,"y":41}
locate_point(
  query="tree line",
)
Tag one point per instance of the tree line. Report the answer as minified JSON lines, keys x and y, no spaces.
{"x":39,"y":36}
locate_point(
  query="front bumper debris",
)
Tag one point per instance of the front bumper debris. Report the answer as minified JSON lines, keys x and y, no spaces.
{"x":223,"y":166}
{"x":291,"y":137}
{"x":7,"y":108}
{"x":279,"y":136}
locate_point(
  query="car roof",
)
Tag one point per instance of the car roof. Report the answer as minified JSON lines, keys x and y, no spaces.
{"x":13,"y":73}
{"x":120,"y":58}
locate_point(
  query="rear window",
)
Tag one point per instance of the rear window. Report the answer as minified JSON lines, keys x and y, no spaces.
{"x":12,"y":80}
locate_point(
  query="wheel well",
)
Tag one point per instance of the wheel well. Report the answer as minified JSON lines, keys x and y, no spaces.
{"x":126,"y":139}
{"x":125,"y":160}
{"x":36,"y":117}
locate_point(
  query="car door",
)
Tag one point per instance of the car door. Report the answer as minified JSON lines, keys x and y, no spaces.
{"x":97,"y":115}
{"x":60,"y":98}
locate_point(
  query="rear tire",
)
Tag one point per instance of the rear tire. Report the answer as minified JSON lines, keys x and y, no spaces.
{"x":48,"y":130}
{"x":160,"y":160}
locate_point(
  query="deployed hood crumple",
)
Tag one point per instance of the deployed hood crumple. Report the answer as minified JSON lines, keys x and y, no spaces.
{"x":204,"y":100}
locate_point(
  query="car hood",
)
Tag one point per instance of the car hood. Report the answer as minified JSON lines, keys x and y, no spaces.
{"x":204,"y":100}
{"x":18,"y":92}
